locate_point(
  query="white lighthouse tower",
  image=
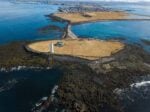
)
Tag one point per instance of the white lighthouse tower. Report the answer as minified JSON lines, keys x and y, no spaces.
{"x":51,"y":52}
{"x":52,"y":48}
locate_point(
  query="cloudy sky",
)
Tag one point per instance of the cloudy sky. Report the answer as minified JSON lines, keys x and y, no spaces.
{"x":119,"y":0}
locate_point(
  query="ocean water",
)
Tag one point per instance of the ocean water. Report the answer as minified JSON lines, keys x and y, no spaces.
{"x":140,"y":8}
{"x":22,"y":21}
{"x":137,"y":97}
{"x":127,"y":31}
{"x":22,"y":89}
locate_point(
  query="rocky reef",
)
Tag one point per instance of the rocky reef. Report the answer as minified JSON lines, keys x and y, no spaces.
{"x":90,"y":88}
{"x":145,"y":41}
{"x":86,"y":86}
{"x":14,"y":55}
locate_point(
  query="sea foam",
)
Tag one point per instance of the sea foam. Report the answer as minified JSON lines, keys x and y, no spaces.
{"x":139,"y":84}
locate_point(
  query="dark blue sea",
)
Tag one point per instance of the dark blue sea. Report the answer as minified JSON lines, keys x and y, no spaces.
{"x":127,"y":31}
{"x":20,"y":90}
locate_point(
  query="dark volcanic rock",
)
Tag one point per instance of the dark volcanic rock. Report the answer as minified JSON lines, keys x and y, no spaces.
{"x":147,"y":42}
{"x":92,"y":91}
{"x":85,"y":87}
{"x":132,"y":57}
{"x":48,"y":29}
{"x":14,"y":54}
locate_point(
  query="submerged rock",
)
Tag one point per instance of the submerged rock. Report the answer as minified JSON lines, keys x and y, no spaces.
{"x":146,"y":41}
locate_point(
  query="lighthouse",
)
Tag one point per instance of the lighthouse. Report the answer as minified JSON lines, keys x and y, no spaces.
{"x":51,"y":52}
{"x":52,"y":48}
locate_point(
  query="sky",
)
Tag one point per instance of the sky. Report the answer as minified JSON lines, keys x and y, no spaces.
{"x":119,"y":0}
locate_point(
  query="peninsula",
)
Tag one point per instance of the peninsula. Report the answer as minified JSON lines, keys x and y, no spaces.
{"x":83,"y":48}
{"x":78,"y":17}
{"x":89,"y":13}
{"x":92,"y":70}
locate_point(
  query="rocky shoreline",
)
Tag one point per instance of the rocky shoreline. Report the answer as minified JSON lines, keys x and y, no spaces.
{"x":82,"y":9}
{"x":90,"y":87}
{"x":147,"y":42}
{"x":85,"y":86}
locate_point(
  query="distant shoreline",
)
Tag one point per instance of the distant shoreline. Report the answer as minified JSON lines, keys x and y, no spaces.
{"x":124,"y":17}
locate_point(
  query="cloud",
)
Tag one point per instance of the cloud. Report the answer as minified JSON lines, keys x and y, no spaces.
{"x":125,"y":0}
{"x":118,"y":0}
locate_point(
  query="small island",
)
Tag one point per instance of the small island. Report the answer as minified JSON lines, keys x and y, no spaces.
{"x":83,"y":48}
{"x":109,"y":65}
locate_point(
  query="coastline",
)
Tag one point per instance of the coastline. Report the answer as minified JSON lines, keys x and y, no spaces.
{"x":128,"y":17}
{"x":120,"y":68}
{"x":89,"y":49}
{"x":86,"y":85}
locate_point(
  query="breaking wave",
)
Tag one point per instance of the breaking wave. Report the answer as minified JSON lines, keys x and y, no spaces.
{"x":18,"y":68}
{"x":135,"y":93}
{"x":139,"y":84}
